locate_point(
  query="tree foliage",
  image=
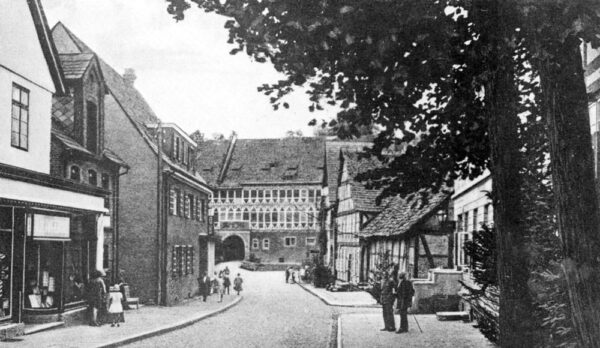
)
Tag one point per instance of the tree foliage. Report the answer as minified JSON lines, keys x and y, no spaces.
{"x":449,"y":80}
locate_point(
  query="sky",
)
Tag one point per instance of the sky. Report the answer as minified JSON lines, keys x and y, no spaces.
{"x":184,"y":69}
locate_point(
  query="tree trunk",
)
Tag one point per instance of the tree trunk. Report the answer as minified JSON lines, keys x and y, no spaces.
{"x":517,"y":325}
{"x":565,"y":106}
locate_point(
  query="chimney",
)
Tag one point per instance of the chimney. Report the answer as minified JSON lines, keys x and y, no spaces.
{"x":129,"y":77}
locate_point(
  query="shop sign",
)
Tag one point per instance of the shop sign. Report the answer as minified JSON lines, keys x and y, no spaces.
{"x":50,"y":227}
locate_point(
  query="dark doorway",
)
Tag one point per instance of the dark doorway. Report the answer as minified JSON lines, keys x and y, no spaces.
{"x":232,"y":249}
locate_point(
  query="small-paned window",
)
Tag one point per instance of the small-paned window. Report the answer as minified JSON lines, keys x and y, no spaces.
{"x":92,"y":177}
{"x":20,"y":118}
{"x":105,"y":181}
{"x":75,"y":173}
{"x":265,"y":244}
{"x":173,"y":201}
{"x":290,"y":241}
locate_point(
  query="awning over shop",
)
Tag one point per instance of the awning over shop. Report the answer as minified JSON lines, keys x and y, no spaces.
{"x":29,"y":192}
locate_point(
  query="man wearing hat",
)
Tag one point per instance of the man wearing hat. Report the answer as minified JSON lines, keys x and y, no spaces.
{"x":404,"y":293}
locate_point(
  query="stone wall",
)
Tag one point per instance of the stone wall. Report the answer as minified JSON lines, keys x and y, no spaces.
{"x":439,"y":292}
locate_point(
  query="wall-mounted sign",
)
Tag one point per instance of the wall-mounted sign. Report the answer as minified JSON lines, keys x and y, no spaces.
{"x":51,"y":227}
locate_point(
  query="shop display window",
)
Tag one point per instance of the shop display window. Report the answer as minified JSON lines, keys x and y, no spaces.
{"x":74,"y":265}
{"x":43,"y":274}
{"x":6,"y":255}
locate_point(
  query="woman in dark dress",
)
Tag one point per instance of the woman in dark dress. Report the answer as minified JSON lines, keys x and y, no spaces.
{"x":95,"y":296}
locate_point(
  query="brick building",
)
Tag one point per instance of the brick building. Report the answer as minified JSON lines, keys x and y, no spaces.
{"x":164,"y":241}
{"x":267,"y":193}
{"x":49,"y":225}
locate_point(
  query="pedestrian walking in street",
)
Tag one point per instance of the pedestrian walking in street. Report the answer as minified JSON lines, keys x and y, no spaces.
{"x":287,"y":274}
{"x":237,"y":284}
{"x":387,"y":302}
{"x":96,"y":292}
{"x":221,"y":287}
{"x":226,"y":281}
{"x":115,"y":307}
{"x":404,"y":293}
{"x":215,"y":284}
{"x":204,"y":284}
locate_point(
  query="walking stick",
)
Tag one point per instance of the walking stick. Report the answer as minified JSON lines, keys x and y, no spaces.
{"x":416,"y":321}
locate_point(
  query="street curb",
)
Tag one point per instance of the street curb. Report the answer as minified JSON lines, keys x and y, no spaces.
{"x":166,"y":329}
{"x":309,"y":290}
{"x":339,"y":332}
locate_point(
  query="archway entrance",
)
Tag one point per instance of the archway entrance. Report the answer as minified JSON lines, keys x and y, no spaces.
{"x":232,"y":249}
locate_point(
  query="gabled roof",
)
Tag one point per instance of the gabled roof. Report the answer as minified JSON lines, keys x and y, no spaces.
{"x":332,"y":161}
{"x":364,"y":199}
{"x":128,"y":97}
{"x":48,"y":45}
{"x":71,"y":145}
{"x":401,"y":215}
{"x":75,"y":65}
{"x":263,"y":161}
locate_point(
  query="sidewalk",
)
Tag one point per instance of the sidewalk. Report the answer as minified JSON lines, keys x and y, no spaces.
{"x":362,"y":330}
{"x":140,"y":323}
{"x":342,"y":299}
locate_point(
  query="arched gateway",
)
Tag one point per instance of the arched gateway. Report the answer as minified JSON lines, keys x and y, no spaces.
{"x":233,"y":248}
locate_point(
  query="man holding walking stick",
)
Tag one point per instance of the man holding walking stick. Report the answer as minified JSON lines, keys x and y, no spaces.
{"x":404,"y":295}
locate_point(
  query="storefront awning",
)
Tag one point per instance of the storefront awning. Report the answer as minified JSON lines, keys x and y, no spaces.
{"x":29,"y":192}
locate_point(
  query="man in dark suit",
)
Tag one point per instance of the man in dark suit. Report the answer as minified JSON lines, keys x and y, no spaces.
{"x":204,"y":284}
{"x":405,"y":293}
{"x":387,"y":302}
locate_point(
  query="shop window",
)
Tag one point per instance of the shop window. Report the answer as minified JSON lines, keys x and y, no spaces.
{"x":289,"y":241}
{"x":20,"y":118}
{"x":42,"y":274}
{"x":6,"y":255}
{"x":92,"y":177}
{"x":265,"y":244}
{"x":255,"y":243}
{"x":75,"y":173}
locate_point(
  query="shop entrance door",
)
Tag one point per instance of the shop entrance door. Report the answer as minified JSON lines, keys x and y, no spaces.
{"x":12,"y":231}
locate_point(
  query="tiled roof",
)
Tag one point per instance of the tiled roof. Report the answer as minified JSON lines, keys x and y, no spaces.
{"x":130,"y":100}
{"x":70,"y":143}
{"x":283,"y":160}
{"x":211,"y":155}
{"x":332,"y":153}
{"x":400,"y":215}
{"x":364,"y":199}
{"x":113,"y":157}
{"x":63,"y":113}
{"x":75,"y":65}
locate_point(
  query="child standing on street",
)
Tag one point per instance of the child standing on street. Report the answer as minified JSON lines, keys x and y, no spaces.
{"x":115,"y":306}
{"x":237,"y":284}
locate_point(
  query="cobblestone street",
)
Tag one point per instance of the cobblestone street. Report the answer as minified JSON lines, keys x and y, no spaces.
{"x":272,"y":314}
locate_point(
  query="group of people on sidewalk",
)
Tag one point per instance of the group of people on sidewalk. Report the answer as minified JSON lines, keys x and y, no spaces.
{"x":219,"y":284}
{"x":295,"y":275}
{"x":400,"y":291}
{"x":106,"y":306}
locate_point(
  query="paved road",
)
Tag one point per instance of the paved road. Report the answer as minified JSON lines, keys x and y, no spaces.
{"x":272,"y":314}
